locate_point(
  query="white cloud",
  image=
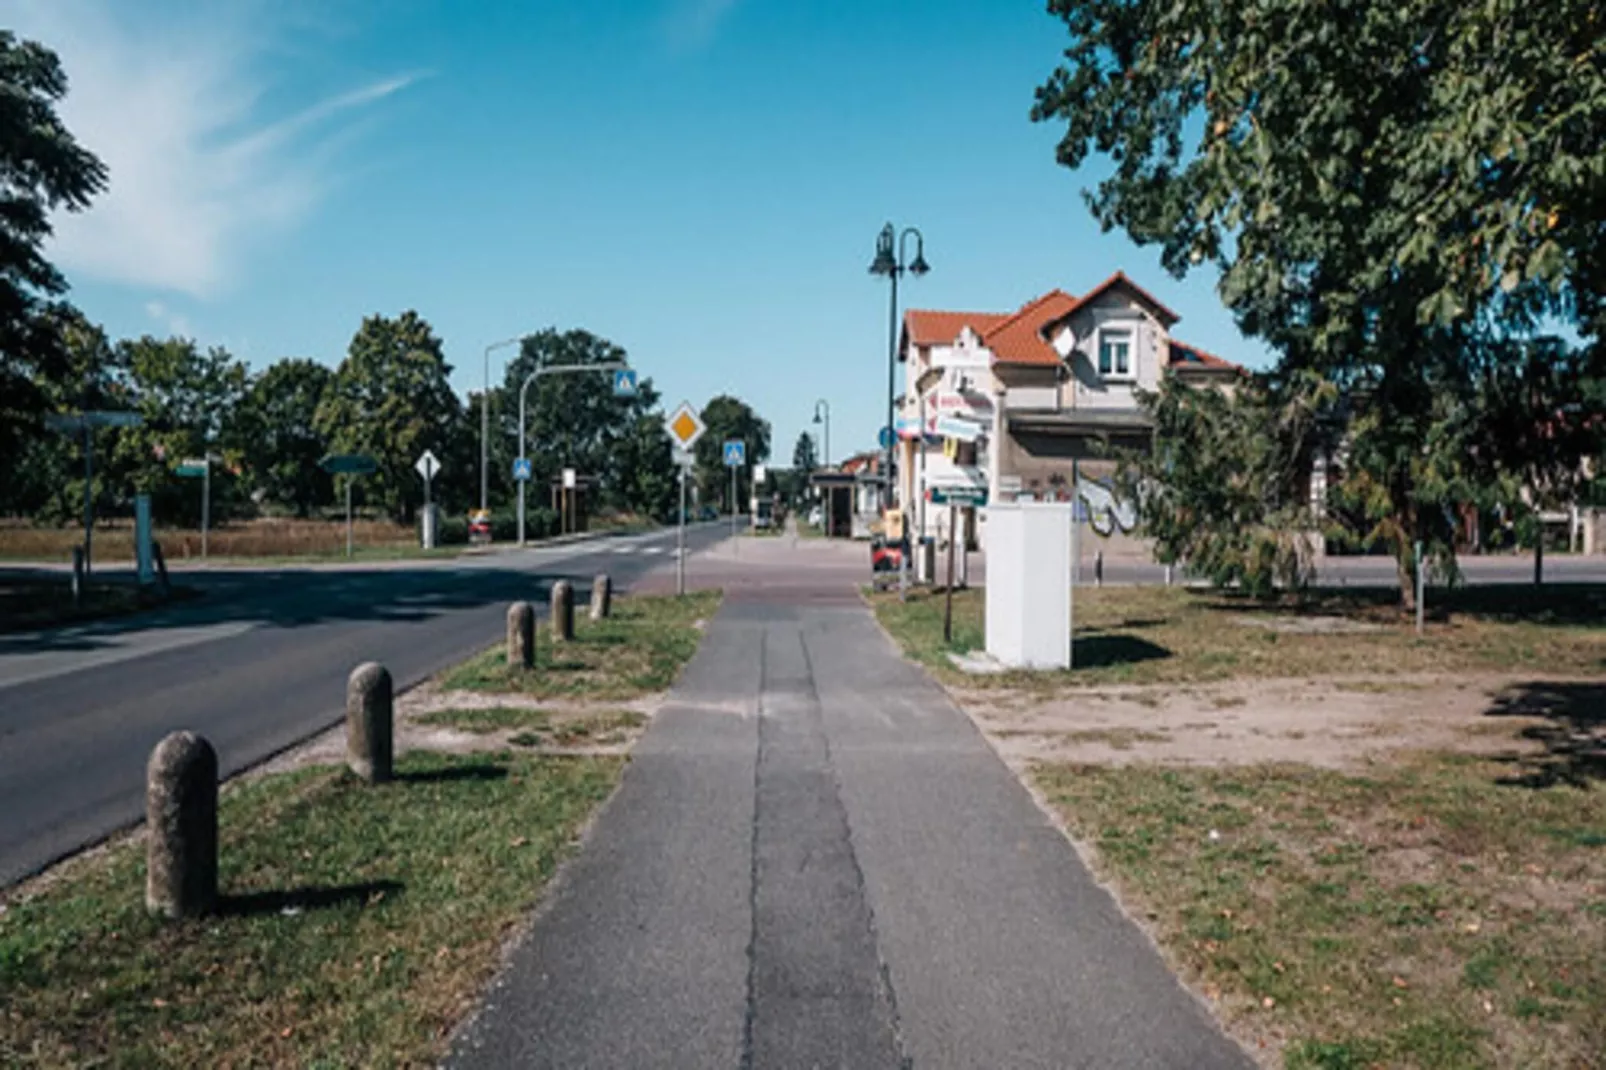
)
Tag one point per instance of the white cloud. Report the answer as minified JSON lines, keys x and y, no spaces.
{"x":175,"y":324}
{"x":693,"y":23}
{"x":175,"y":110}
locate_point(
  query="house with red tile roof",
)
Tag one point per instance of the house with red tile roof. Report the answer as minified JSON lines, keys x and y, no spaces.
{"x":1017,"y":401}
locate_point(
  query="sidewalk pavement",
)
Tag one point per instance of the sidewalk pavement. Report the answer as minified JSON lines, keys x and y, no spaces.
{"x":815,"y":860}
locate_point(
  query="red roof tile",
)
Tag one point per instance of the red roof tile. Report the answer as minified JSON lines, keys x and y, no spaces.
{"x":924,"y":327}
{"x":1018,"y":339}
{"x":1185,"y":356}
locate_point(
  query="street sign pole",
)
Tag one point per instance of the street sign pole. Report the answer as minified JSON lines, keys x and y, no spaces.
{"x":733,"y":501}
{"x":206,"y":500}
{"x":680,"y":539}
{"x":948,"y":595}
{"x":350,"y":479}
{"x":89,"y":498}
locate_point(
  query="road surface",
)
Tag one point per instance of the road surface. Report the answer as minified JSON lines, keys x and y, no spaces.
{"x":257,"y":664}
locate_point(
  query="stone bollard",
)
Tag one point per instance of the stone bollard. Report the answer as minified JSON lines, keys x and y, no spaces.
{"x":181,"y":827}
{"x":601,"y":597}
{"x":562,"y":611}
{"x":521,"y":635}
{"x":368,"y":722}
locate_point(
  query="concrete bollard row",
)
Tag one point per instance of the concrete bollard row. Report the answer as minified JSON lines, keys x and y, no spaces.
{"x":521,"y":635}
{"x":562,"y":611}
{"x":601,"y":597}
{"x":369,"y":708}
{"x":181,"y":824}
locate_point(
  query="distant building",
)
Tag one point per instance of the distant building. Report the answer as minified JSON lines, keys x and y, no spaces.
{"x":1013,"y":401}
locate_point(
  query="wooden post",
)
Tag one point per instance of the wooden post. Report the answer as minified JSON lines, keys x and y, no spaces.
{"x":601,"y":597}
{"x":181,"y":827}
{"x":562,"y":611}
{"x":369,"y":698}
{"x":521,"y":635}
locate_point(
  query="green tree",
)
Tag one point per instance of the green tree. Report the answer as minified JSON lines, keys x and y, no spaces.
{"x":279,"y":435}
{"x":42,"y":169}
{"x":730,"y":418}
{"x":1385,"y":193}
{"x":575,"y":420}
{"x":805,"y":459}
{"x":189,"y":401}
{"x":390,"y":400}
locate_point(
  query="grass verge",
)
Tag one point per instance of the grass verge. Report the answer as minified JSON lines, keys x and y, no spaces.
{"x":1423,"y":915}
{"x":1159,"y":635}
{"x":359,"y":923}
{"x":637,"y":651}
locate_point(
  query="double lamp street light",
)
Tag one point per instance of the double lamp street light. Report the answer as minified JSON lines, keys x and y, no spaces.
{"x":891,"y":266}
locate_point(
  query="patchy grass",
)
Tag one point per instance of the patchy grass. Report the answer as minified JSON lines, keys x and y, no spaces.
{"x":638,"y":651}
{"x":1426,"y":915}
{"x":543,"y":728}
{"x":359,"y":923}
{"x":1159,"y":635}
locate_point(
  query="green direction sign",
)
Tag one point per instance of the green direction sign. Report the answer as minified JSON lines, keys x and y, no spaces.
{"x":348,"y":464}
{"x":959,"y":495}
{"x":191,"y":471}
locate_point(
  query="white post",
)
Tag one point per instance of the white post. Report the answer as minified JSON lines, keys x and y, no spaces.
{"x":350,"y":479}
{"x":89,"y":496}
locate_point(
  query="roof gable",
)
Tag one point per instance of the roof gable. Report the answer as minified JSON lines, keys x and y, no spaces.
{"x":1018,"y":339}
{"x":927,"y":327}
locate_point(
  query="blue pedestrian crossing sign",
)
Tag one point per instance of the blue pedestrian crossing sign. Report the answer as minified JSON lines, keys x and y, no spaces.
{"x":522,"y":469}
{"x":735,"y":453}
{"x":624,"y":383}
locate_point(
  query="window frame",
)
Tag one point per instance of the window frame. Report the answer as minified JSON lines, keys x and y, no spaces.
{"x":1127,"y":335}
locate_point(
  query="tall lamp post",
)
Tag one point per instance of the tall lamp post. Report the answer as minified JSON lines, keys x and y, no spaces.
{"x":485,"y":423}
{"x":825,"y":406}
{"x":885,"y":263}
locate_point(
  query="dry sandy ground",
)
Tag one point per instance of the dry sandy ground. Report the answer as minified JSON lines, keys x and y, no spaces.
{"x":329,"y":748}
{"x":1341,"y":723}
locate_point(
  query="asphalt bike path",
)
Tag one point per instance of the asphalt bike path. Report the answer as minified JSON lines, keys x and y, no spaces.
{"x":815,"y":860}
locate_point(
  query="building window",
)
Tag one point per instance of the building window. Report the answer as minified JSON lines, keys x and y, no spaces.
{"x":1115,"y":353}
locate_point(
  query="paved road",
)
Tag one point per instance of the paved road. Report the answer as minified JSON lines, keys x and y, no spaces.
{"x":815,"y":860}
{"x":257,"y":664}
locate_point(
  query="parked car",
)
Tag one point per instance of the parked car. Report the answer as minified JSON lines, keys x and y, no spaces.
{"x":479,"y":526}
{"x":708,"y":512}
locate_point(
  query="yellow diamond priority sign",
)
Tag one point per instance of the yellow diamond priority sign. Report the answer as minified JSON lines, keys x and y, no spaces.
{"x":684,"y":426}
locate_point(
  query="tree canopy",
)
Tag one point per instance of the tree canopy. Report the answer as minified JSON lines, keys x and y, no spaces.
{"x":1391,"y":191}
{"x":727,"y":418}
{"x":42,"y":169}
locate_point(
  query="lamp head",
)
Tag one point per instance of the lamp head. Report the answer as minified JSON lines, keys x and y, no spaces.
{"x":919,"y":267}
{"x":884,"y":262}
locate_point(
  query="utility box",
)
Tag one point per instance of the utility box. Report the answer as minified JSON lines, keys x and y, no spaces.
{"x":1029,"y":547}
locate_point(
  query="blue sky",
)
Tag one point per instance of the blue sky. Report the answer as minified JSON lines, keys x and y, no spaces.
{"x":700,"y":181}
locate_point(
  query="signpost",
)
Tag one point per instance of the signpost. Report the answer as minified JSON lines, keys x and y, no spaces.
{"x":685,"y":427}
{"x":350,"y":465}
{"x":201,"y":467}
{"x":735,"y":453}
{"x":72,"y":423}
{"x":427,"y":466}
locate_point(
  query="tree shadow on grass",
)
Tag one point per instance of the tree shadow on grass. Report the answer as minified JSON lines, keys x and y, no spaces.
{"x":310,"y":897}
{"x":480,"y":771}
{"x":1098,"y":651}
{"x":1572,"y":733}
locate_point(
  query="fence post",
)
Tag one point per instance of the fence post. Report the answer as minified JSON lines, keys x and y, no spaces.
{"x":601,"y":597}
{"x":369,"y":698}
{"x":521,"y":635}
{"x":77,"y":576}
{"x":562,"y":611}
{"x":181,"y":827}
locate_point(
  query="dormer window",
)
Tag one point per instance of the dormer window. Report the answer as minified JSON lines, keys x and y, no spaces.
{"x":1115,"y":353}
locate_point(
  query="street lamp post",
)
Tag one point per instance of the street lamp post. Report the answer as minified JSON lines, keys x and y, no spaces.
{"x":561,"y":369}
{"x":893,"y":266}
{"x":822,"y":404}
{"x":485,"y":423}
{"x":885,"y":263}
